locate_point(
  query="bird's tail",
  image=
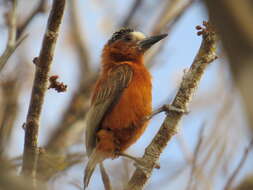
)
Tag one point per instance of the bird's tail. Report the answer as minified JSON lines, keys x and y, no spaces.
{"x":94,"y":159}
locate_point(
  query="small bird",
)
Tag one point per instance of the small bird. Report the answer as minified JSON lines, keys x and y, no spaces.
{"x":121,"y":99}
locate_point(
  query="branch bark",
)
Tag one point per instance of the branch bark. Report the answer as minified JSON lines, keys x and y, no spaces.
{"x":185,"y":93}
{"x":43,"y":63}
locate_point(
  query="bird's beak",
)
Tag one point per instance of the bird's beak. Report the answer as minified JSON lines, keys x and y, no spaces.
{"x":146,"y":43}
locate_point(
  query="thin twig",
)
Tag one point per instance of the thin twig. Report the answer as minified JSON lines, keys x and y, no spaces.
{"x":43,"y":64}
{"x":9,"y":104}
{"x":171,"y":14}
{"x":39,"y":9}
{"x":11,"y":20}
{"x":169,"y":127}
{"x":231,"y":179}
{"x":15,"y":32}
{"x":10,"y":50}
{"x":105,"y":177}
{"x":126,"y":22}
{"x":12,"y":23}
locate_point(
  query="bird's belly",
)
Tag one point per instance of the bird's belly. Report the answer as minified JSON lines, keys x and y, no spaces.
{"x":126,"y":119}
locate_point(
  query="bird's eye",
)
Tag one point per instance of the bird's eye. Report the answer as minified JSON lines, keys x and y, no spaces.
{"x":128,"y":38}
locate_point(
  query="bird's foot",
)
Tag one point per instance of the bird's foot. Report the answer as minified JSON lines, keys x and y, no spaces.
{"x":169,"y":107}
{"x":166,"y":108}
{"x":140,"y":163}
{"x":145,"y":166}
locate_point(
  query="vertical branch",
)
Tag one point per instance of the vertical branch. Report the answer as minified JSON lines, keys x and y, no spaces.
{"x":43,"y":63}
{"x":185,"y":93}
{"x":12,"y":22}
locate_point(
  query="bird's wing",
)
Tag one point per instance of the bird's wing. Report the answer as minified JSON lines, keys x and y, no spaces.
{"x":107,"y":94}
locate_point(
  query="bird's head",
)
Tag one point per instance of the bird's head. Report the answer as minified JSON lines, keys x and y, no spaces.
{"x":129,"y":45}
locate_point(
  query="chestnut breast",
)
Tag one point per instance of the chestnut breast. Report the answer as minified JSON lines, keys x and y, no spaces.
{"x":125,"y":119}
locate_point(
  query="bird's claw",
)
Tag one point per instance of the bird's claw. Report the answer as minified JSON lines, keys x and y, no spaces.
{"x":141,"y":163}
{"x":144,"y":166}
{"x":169,"y":107}
{"x":146,"y":118}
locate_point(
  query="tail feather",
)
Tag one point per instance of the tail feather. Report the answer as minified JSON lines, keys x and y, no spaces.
{"x":94,"y":159}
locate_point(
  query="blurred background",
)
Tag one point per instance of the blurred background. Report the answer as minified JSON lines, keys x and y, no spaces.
{"x":213,"y":137}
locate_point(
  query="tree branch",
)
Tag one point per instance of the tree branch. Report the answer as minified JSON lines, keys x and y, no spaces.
{"x":11,"y":20}
{"x":170,"y":15}
{"x":126,"y":22}
{"x":41,"y":8}
{"x":43,"y":63}
{"x":169,"y":127}
{"x":9,"y":105}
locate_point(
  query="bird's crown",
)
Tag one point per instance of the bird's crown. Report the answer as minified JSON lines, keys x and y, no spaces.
{"x":120,"y":33}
